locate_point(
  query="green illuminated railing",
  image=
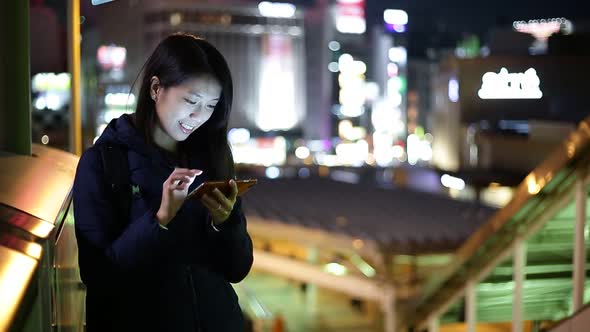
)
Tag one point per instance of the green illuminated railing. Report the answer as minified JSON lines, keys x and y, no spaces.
{"x":539,"y":197}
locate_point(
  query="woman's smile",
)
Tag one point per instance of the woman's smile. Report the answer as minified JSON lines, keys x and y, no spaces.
{"x":186,"y":128}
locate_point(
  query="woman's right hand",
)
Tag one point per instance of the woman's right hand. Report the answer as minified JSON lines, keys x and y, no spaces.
{"x":174,"y":192}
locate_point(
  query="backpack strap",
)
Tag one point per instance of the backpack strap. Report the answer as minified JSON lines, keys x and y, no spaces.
{"x":116,"y":171}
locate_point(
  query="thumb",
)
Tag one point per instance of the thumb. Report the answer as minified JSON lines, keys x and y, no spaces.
{"x":196,"y":172}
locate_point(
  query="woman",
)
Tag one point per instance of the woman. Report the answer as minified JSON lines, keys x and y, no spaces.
{"x":169,"y":266}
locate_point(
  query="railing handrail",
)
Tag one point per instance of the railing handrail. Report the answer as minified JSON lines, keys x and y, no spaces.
{"x":539,"y":183}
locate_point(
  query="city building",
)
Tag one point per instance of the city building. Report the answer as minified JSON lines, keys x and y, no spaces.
{"x":263,"y":43}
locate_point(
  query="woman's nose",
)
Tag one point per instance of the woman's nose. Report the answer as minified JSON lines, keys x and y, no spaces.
{"x":195,"y":112}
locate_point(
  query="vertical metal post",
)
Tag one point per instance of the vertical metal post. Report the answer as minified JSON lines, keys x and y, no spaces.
{"x":471,"y":307}
{"x":433,"y":324}
{"x":311,"y":291}
{"x":518,"y":275}
{"x":579,"y":272}
{"x":388,"y":308}
{"x":15,"y":77}
{"x":74,"y":41}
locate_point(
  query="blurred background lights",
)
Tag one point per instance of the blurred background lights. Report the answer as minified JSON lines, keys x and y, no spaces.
{"x":111,"y":56}
{"x":395,"y":16}
{"x":392,"y":69}
{"x":452,"y":182}
{"x":345,"y":59}
{"x":302,"y":152}
{"x":333,"y":67}
{"x":175,"y":19}
{"x":276,"y":9}
{"x":272,"y":172}
{"x":238,"y":135}
{"x":40,"y":103}
{"x":304,"y":172}
{"x":453,"y":90}
{"x":371,"y":91}
{"x":119,"y":99}
{"x":334,"y":46}
{"x":398,"y":54}
{"x":354,"y":25}
{"x":335,"y":269}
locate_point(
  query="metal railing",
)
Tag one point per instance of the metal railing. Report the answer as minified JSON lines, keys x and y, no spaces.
{"x":544,"y":192}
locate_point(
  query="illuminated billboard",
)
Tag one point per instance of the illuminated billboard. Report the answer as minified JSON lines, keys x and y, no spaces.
{"x":350,"y":16}
{"x":522,"y":88}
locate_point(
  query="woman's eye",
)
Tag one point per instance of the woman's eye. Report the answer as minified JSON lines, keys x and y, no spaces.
{"x":190,"y":101}
{"x":211,"y":107}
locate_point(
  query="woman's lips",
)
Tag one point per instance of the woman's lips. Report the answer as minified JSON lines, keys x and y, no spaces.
{"x":186,"y":128}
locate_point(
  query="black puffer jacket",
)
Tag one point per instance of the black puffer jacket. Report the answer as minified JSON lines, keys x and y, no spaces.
{"x":141,"y":277}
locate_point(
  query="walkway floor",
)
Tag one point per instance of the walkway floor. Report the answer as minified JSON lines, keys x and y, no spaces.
{"x":334,"y":311}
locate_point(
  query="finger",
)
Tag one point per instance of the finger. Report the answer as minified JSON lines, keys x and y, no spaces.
{"x":191,"y":175}
{"x":178,"y":186}
{"x":192,"y":179}
{"x":209,"y":206}
{"x":188,"y":171}
{"x":234,"y":190}
{"x":210,"y":201}
{"x":169,"y":186}
{"x":184,"y":172}
{"x":212,"y":206}
{"x":179,"y":179}
{"x":222,"y":199}
{"x":183,"y":169}
{"x":215,"y":207}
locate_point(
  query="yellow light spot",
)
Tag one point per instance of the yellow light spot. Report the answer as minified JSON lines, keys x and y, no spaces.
{"x":532,"y":185}
{"x":571,"y":150}
{"x":16,"y":272}
{"x":358,"y":244}
{"x":335,"y":269}
{"x":584,"y":126}
{"x":34,"y":250}
{"x":548,"y":176}
{"x":175,"y":19}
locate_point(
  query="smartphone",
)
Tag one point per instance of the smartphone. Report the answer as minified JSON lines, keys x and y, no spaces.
{"x":223,"y":186}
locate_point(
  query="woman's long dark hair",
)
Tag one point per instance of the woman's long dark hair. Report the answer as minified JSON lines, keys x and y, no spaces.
{"x":177,"y":58}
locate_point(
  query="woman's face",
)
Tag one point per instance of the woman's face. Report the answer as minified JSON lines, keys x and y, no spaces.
{"x":183,"y":108}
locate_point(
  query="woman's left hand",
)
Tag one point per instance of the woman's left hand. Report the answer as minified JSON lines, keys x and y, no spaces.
{"x":220,"y":206}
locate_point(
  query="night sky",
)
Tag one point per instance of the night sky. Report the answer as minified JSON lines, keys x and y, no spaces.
{"x":440,"y":23}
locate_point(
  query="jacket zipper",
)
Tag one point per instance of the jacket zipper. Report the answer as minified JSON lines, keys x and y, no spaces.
{"x":189,"y":272}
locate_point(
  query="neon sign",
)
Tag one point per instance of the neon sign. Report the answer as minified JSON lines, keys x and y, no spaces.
{"x":542,"y":29}
{"x":350,"y":16}
{"x":111,"y":57}
{"x":505,"y":85}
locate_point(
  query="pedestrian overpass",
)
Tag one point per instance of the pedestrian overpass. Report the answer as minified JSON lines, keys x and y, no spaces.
{"x":523,"y":268}
{"x":527,"y":264}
